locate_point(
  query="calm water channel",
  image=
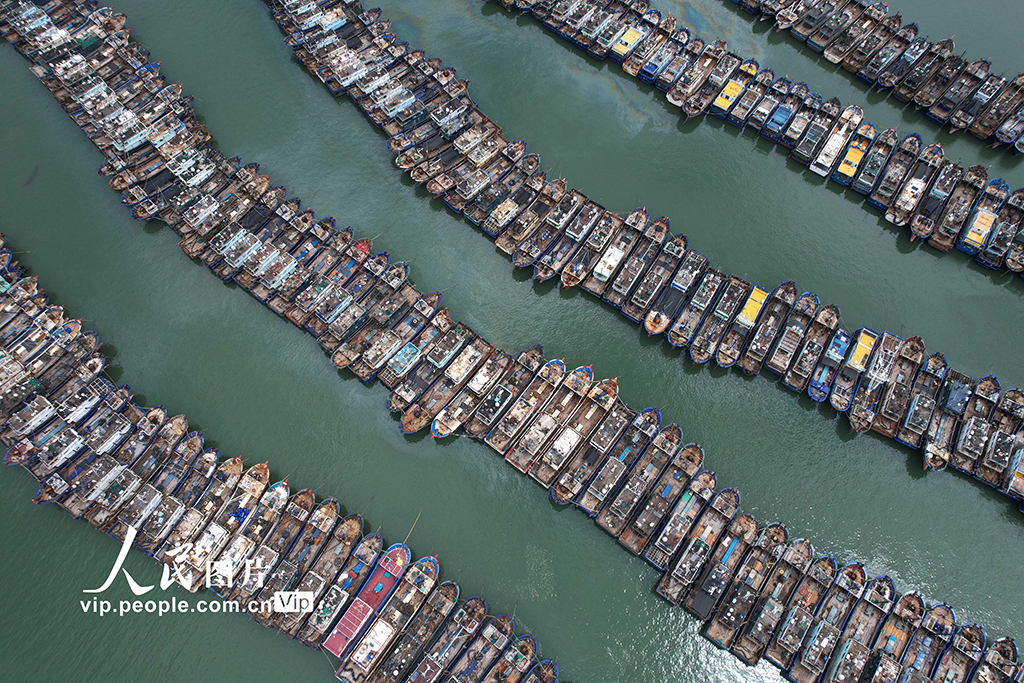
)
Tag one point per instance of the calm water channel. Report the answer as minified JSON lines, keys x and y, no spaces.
{"x":261,"y":389}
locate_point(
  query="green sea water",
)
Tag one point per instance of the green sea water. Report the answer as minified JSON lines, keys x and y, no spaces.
{"x":261,"y":389}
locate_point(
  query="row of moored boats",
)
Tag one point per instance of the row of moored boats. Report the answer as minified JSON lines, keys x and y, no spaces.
{"x":913,"y":184}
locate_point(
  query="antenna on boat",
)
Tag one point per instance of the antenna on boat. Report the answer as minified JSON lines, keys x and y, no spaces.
{"x":413,"y":525}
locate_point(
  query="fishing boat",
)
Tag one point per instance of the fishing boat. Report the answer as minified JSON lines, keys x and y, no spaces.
{"x":865,"y":621}
{"x":321,"y":575}
{"x":976,"y":429}
{"x":1010,"y":130}
{"x":831,"y":617}
{"x":701,"y":541}
{"x":690,"y":81}
{"x":836,"y":24}
{"x":932,"y":639}
{"x":604,"y":234}
{"x":507,"y":389}
{"x":514,"y":663}
{"x":574,"y":392}
{"x":741,"y":593}
{"x":913,"y":189}
{"x":734,"y":340}
{"x":635,"y":532}
{"x":459,"y":409}
{"x":856,"y":30}
{"x":799,"y":615}
{"x":660,"y":59}
{"x":800,"y":120}
{"x":874,"y":42}
{"x":392,"y":340}
{"x":481,"y":652}
{"x":782,"y":582}
{"x":961,"y":660}
{"x":314,"y":536}
{"x":891,"y":51}
{"x":951,"y":220}
{"x":680,"y":64}
{"x":818,"y":129}
{"x":1008,"y":222}
{"x":584,"y":461}
{"x":837,"y":141}
{"x":938,"y":443}
{"x":529,"y":402}
{"x":784,"y":113}
{"x":349,"y":580}
{"x":876,"y":159}
{"x":847,"y":380}
{"x":770,"y":322}
{"x":667,"y":306}
{"x":897,"y":168}
{"x":898,"y":629}
{"x":375,"y":592}
{"x":394,"y":616}
{"x":619,"y":461}
{"x":818,"y":334}
{"x":731,"y":548}
{"x":689,"y":320}
{"x":869,"y":391}
{"x":922,"y":403}
{"x":922,"y":224}
{"x":827,"y":369}
{"x":543,"y":672}
{"x":655,"y":278}
{"x":958,"y":93}
{"x":645,"y":472}
{"x":733,"y":88}
{"x":502,"y":216}
{"x":928,"y":66}
{"x":898,"y":65}
{"x":814,"y":15}
{"x":751,"y":95}
{"x":854,"y":154}
{"x":394,"y":371}
{"x":1003,"y":105}
{"x":453,"y":636}
{"x":698,"y":103}
{"x":687,"y":508}
{"x":949,"y":71}
{"x":418,"y":634}
{"x":999,"y":662}
{"x":983,"y":218}
{"x":777,"y":93}
{"x":993,"y":467}
{"x":435,"y":360}
{"x":575,"y":229}
{"x":792,"y":333}
{"x":978,"y":102}
{"x":896,"y":401}
{"x":705,"y":342}
{"x":455,"y":376}
{"x":786,"y":17}
{"x":621,"y":244}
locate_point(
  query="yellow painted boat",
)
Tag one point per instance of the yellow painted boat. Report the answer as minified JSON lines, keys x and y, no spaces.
{"x":751,"y":309}
{"x":732,"y":90}
{"x":862,"y":349}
